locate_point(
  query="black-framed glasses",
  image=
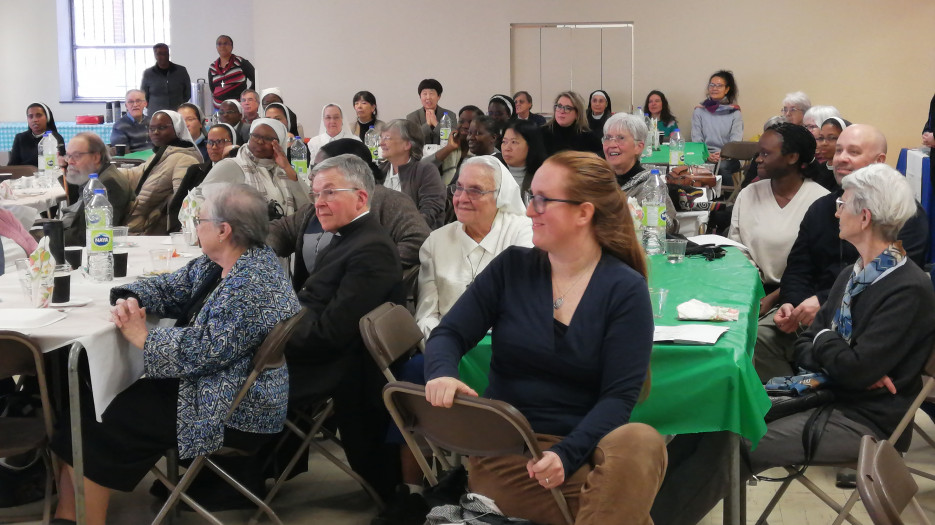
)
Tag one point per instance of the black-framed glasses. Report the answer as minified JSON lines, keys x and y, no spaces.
{"x":329,"y":194}
{"x":219,"y":142}
{"x":562,"y":107}
{"x":539,"y":202}
{"x":472,"y":193}
{"x":263,"y":138}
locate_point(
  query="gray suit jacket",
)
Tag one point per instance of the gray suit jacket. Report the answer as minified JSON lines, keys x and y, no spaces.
{"x":430,"y":133}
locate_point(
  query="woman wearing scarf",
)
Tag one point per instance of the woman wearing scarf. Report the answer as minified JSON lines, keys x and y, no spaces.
{"x":263,"y":164}
{"x":230,"y":74}
{"x":599,"y":111}
{"x":717,"y":120}
{"x":156,"y":180}
{"x":219,"y":144}
{"x":871,"y":337}
{"x":332,"y":128}
{"x":195,"y":122}
{"x":365,"y":106}
{"x":25,"y":149}
{"x":491,"y":217}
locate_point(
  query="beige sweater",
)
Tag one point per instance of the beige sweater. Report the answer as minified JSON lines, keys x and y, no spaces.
{"x":148,"y":211}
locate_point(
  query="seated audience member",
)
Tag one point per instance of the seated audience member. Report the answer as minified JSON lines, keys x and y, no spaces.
{"x":818,"y":255}
{"x":576,"y":383}
{"x":250,"y":102}
{"x":815,"y":116}
{"x":25,"y":150}
{"x":568,"y":128}
{"x":326,"y":355}
{"x":871,"y":337}
{"x":624,"y":139}
{"x":599,"y":110}
{"x":522,"y":102}
{"x":273,"y":94}
{"x":195,"y":122}
{"x":132,"y":129}
{"x":365,"y":105}
{"x":262,"y":164}
{"x":230,"y":74}
{"x":226,"y":302}
{"x":86,"y":154}
{"x":657,"y":106}
{"x":430,"y":114}
{"x":752,"y":173}
{"x":717,"y":119}
{"x":231,"y":113}
{"x":500,"y":108}
{"x":166,"y":84}
{"x":15,"y":241}
{"x":491,"y":217}
{"x":302,"y":234}
{"x":219,"y":145}
{"x":279,"y":111}
{"x":767,"y":213}
{"x":523,"y":152}
{"x":794,"y":107}
{"x":827,"y":138}
{"x":401,"y":143}
{"x":449,"y":157}
{"x":332,"y":128}
{"x":483,"y":137}
{"x":155,"y":181}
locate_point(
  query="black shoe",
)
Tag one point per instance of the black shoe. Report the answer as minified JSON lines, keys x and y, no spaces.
{"x":846,"y":478}
{"x":403,"y":509}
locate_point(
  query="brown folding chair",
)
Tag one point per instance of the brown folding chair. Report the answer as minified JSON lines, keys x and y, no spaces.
{"x":744,"y":151}
{"x":389,"y":332}
{"x":885,"y":484}
{"x":505,"y":430}
{"x":267,"y":357}
{"x":21,"y":356}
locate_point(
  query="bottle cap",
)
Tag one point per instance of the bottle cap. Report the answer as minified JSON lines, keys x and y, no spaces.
{"x":298,"y":137}
{"x":654,"y":172}
{"x":371,"y":126}
{"x":99,"y":191}
{"x":92,"y":176}
{"x":676,"y":129}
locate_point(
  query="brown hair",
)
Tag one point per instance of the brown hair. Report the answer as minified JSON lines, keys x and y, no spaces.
{"x":581,"y":119}
{"x":593,"y":180}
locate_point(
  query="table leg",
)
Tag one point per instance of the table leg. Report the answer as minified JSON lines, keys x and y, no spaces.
{"x":77,"y":444}
{"x":735,"y":502}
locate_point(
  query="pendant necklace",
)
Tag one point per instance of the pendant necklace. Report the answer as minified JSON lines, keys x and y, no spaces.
{"x":557,"y":303}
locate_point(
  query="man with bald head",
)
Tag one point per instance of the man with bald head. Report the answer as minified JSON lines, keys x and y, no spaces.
{"x":818,"y":256}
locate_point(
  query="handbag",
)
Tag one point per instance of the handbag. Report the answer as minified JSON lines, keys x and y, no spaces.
{"x":694,"y":176}
{"x":793,"y":394}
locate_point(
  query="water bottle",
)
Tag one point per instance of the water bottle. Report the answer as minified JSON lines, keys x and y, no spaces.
{"x":299,"y":156}
{"x":444,"y":129}
{"x":100,"y":223}
{"x":676,"y":148}
{"x":48,"y":153}
{"x":94,"y":183}
{"x":372,"y":141}
{"x":654,"y":215}
{"x":638,"y":111}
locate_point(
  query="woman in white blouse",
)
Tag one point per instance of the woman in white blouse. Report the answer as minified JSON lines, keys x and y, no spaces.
{"x":331,"y":129}
{"x":491,"y":217}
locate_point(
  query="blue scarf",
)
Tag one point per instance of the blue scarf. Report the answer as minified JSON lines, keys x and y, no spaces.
{"x":860,"y":279}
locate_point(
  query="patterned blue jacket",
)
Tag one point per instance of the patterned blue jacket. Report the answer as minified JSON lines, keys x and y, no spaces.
{"x":213,"y":355}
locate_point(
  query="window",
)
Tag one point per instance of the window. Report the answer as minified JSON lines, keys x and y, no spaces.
{"x":111,"y":44}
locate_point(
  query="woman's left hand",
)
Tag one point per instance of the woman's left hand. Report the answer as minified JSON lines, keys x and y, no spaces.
{"x":549,"y":470}
{"x":131,"y":320}
{"x":279,"y":156}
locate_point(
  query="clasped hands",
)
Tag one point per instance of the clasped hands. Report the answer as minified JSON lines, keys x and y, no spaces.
{"x":130,"y":318}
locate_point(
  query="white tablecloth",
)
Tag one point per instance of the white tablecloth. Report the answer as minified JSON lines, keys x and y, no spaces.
{"x":40,"y":201}
{"x":113,"y":363}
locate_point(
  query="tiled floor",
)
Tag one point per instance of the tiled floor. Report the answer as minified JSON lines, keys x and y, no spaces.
{"x":325,"y":495}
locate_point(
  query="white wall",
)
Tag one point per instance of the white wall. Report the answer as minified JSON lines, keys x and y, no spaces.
{"x":869,"y":58}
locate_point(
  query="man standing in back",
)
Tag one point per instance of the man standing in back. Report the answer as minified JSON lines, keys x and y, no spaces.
{"x":166,"y":85}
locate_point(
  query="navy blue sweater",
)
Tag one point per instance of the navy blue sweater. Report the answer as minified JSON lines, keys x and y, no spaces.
{"x":580,"y":386}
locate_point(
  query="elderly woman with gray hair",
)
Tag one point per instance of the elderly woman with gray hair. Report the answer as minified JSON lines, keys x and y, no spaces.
{"x":624,"y":138}
{"x":225,"y":303}
{"x":491,"y":218}
{"x":401,"y":142}
{"x":794,"y":107}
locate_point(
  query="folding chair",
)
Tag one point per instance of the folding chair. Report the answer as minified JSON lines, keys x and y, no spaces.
{"x":505,"y":430}
{"x":885,"y":484}
{"x":928,"y":389}
{"x":20,"y":356}
{"x":267,"y":357}
{"x":744,"y":151}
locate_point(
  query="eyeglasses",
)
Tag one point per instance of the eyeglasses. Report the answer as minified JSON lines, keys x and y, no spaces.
{"x":838,"y":203}
{"x":712,"y":85}
{"x":811,"y":127}
{"x":539,"y":201}
{"x":155,"y":129}
{"x":76,"y":155}
{"x":262,"y":138}
{"x":563,"y":108}
{"x":616,"y":139}
{"x":219,"y":142}
{"x":328,"y":195}
{"x":199,"y":220}
{"x":789,"y":111}
{"x":472,"y":193}
{"x":136,"y":102}
{"x":822,"y":138}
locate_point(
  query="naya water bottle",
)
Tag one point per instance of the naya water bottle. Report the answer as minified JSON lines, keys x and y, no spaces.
{"x":676,"y":148}
{"x":654,"y":215}
{"x":444,"y":129}
{"x":299,"y":158}
{"x":100,"y":224}
{"x":372,"y":141}
{"x":94,"y":183}
{"x":48,"y":153}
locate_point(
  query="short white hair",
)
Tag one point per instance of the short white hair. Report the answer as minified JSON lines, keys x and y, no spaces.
{"x":819,"y":114}
{"x":798,"y":99}
{"x":885,"y":192}
{"x":633,"y":123}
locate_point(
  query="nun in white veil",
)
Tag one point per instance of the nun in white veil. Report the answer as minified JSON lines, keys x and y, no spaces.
{"x":332,"y":128}
{"x":491,"y":218}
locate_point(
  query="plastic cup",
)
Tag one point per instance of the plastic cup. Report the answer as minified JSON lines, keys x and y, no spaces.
{"x":658,"y":298}
{"x":121,"y":149}
{"x":61,"y":293}
{"x":675,"y":250}
{"x":22,"y":271}
{"x":179,"y":242}
{"x":160,"y":259}
{"x":120,"y":263}
{"x":74,"y":256}
{"x":120,"y":236}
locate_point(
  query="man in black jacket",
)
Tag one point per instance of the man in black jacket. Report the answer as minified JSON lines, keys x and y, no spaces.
{"x":358,"y":271}
{"x":818,"y":256}
{"x":166,"y":85}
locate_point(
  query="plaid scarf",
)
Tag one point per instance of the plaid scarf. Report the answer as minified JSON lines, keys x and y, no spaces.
{"x":263,"y":173}
{"x":862,"y":278}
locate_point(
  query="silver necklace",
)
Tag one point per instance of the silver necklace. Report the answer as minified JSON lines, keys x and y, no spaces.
{"x":557,"y":303}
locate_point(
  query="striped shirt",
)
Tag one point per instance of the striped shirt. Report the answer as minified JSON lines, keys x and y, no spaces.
{"x":230,"y":81}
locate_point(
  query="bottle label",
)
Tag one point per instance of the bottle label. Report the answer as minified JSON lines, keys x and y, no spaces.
{"x":444,"y":133}
{"x":375,"y":152}
{"x":654,"y":216}
{"x":300,"y":166}
{"x":102,"y":240}
{"x":49,"y":162}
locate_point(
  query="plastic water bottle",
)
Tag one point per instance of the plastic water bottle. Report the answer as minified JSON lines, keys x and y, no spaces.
{"x":94,"y":183}
{"x":372,"y":141}
{"x":299,"y":156}
{"x":444,"y":129}
{"x":654,"y":215}
{"x":676,"y":148}
{"x":638,"y":111}
{"x":48,"y":153}
{"x":100,"y":223}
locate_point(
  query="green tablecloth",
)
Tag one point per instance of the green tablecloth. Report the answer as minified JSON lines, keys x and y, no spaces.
{"x":694,"y":388}
{"x":142,"y":154}
{"x":695,"y":153}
